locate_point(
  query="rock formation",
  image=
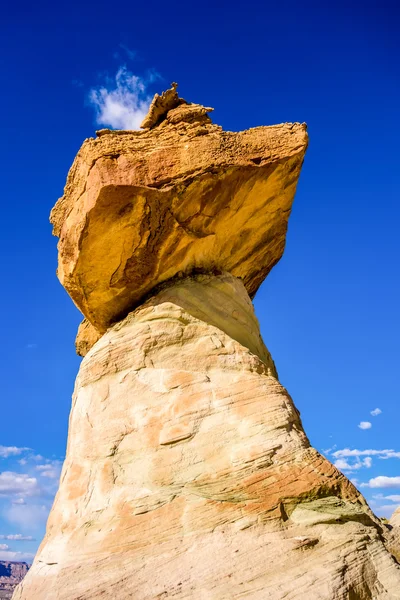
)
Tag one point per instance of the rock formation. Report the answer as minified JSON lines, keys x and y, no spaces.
{"x":188,"y":473}
{"x":395,"y":518}
{"x":11,"y":573}
{"x":394,"y":534}
{"x":141,"y":207}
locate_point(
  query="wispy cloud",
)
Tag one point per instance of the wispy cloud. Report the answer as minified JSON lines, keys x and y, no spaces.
{"x":16,"y":556}
{"x":393,"y":498}
{"x":131,"y":54}
{"x":25,"y":499}
{"x":36,"y":457}
{"x":30,"y":516}
{"x":7,"y":451}
{"x":17,"y":537}
{"x":51,"y":470}
{"x":382,"y":454}
{"x":385,"y":510}
{"x":365,"y":425}
{"x":376,"y":412}
{"x":122,"y":103}
{"x":382,"y":481}
{"x":344,"y":465}
{"x":329,"y":450}
{"x":20,"y":484}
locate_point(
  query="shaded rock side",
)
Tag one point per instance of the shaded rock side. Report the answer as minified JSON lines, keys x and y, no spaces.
{"x":188,"y":473}
{"x":86,"y":337}
{"x":141,"y":207}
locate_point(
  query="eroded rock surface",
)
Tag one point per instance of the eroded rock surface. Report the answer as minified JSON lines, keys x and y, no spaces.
{"x":141,"y":207}
{"x":394,"y":534}
{"x":395,"y":519}
{"x":86,"y":337}
{"x":188,"y":473}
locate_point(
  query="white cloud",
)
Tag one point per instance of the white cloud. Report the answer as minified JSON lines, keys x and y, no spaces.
{"x":36,"y":457}
{"x":382,"y":454}
{"x":18,"y":483}
{"x":51,"y":470}
{"x":28,"y":516}
{"x":329,"y":450}
{"x":16,"y":556}
{"x":18,"y":501}
{"x":393,"y":498}
{"x":385,"y":510}
{"x":345,"y":465}
{"x":365,"y":425}
{"x":382,"y":482}
{"x":17,"y":537}
{"x":124,"y":103}
{"x":376,"y":412}
{"x":4,"y":547}
{"x":7,"y":451}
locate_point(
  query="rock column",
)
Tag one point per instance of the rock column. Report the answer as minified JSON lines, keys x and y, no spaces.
{"x":188,"y":473}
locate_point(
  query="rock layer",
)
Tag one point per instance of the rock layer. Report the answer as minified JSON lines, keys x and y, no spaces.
{"x":141,"y":207}
{"x":11,"y":573}
{"x":188,"y":473}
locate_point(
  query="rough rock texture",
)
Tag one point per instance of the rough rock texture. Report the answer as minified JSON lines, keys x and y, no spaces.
{"x":86,"y":337}
{"x":394,"y":534}
{"x":140,"y":207}
{"x":188,"y":473}
{"x":395,"y":519}
{"x":11,"y":573}
{"x":160,"y":106}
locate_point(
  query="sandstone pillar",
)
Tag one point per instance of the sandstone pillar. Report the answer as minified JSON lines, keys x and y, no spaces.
{"x":188,"y":473}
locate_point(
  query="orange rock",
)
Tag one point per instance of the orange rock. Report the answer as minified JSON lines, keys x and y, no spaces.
{"x":141,"y":207}
{"x":87,"y":336}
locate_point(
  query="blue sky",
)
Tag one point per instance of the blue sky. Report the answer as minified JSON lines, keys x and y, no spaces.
{"x":329,"y":312}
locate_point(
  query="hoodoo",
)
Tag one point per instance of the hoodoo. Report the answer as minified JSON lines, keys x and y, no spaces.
{"x":188,"y":473}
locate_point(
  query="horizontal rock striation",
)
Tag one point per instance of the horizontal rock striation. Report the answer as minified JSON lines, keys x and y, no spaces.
{"x":141,"y":207}
{"x":188,"y":473}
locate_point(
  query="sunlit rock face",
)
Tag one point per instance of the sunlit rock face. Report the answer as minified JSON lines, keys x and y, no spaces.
{"x":394,"y":534}
{"x":141,"y":207}
{"x":188,"y":473}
